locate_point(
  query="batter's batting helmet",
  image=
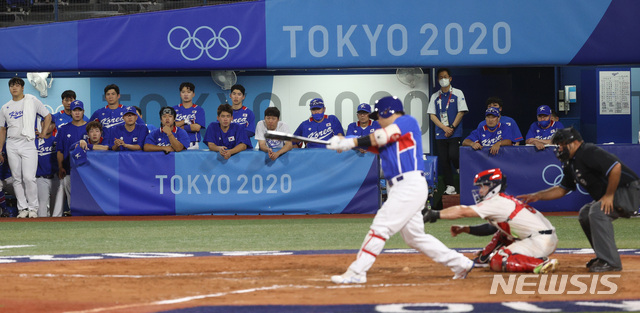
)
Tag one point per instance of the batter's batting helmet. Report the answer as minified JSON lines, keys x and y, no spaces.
{"x":494,"y":179}
{"x":386,"y":107}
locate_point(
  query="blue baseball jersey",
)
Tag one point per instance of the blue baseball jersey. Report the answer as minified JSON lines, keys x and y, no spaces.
{"x":535,"y":131}
{"x":245,"y":118}
{"x":68,"y":135}
{"x":515,"y":130}
{"x":449,"y":104}
{"x":109,"y":118}
{"x":47,"y":156}
{"x":354,"y":129}
{"x":135,"y":137}
{"x":405,"y":154}
{"x":488,"y":138}
{"x":327,"y":128}
{"x":61,"y":118}
{"x":159,"y":138}
{"x":193,"y":114}
{"x":234,"y":136}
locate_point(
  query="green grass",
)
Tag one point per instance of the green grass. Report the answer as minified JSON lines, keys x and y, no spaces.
{"x":66,"y":237}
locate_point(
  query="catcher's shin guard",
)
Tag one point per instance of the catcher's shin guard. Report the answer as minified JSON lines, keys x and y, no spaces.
{"x":371,"y":247}
{"x":504,"y":261}
{"x":499,"y":240}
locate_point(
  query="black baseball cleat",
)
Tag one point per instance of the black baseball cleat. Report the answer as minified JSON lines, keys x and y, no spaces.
{"x":602,"y":266}
{"x":591,"y":262}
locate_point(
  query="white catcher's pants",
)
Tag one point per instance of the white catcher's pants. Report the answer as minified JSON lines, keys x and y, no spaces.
{"x":23,"y":161}
{"x":402,"y":212}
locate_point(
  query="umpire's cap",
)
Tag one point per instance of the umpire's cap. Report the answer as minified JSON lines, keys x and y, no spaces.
{"x":565,"y":136}
{"x":386,"y":107}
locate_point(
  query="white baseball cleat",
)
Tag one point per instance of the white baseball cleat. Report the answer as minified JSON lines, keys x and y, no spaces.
{"x":463,"y":273}
{"x":23,"y":214}
{"x":349,"y":277}
{"x":33,"y":214}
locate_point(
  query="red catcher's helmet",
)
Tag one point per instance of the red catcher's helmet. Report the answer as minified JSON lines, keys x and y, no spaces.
{"x":494,"y":179}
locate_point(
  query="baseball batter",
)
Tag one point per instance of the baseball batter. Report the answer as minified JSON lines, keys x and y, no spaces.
{"x":532,"y":235}
{"x":18,"y":117}
{"x":400,"y":147}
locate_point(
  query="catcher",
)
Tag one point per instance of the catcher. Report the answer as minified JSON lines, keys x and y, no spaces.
{"x":524,"y":237}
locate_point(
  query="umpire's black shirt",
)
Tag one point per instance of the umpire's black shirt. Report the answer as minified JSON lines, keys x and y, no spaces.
{"x":590,"y":168}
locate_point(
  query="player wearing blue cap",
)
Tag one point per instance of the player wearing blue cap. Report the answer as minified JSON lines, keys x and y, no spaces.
{"x":399,"y":144}
{"x":364,"y":125}
{"x":168,"y":138}
{"x":540,"y":132}
{"x":494,"y":134}
{"x":111,"y":114}
{"x":495,"y":102}
{"x":68,"y":135}
{"x":241,"y":114}
{"x":128,"y":136}
{"x":319,"y":126}
{"x":225,"y":137}
{"x":190,"y":116}
{"x":64,"y":116}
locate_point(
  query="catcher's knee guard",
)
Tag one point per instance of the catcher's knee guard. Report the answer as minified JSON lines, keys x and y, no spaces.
{"x":505,"y":261}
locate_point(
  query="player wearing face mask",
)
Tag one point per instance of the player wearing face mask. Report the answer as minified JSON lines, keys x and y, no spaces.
{"x":319,"y":126}
{"x":540,"y":132}
{"x":446,"y":108}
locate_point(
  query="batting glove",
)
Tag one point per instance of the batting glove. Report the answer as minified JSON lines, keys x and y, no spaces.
{"x":431,"y":216}
{"x":341,"y":143}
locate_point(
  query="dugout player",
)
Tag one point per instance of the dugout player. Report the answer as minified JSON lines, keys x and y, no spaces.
{"x":190,"y":116}
{"x":495,"y":102}
{"x":69,"y":135}
{"x":494,"y":134}
{"x":273,"y":147}
{"x":364,"y":125}
{"x":64,"y":116}
{"x":46,"y":177}
{"x":168,"y":138}
{"x":129,"y":136}
{"x":528,"y":237}
{"x":540,"y":132}
{"x":111,"y":115}
{"x":241,"y":114}
{"x":614,"y":187}
{"x":95,"y":140}
{"x":226,"y":137}
{"x":400,"y":147}
{"x":319,"y":126}
{"x":446,"y":108}
{"x":18,"y":117}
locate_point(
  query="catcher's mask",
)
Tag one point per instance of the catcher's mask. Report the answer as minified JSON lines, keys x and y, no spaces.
{"x":494,"y":182}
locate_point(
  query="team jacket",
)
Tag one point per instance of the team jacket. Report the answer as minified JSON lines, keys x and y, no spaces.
{"x":438,"y":103}
{"x":67,"y":136}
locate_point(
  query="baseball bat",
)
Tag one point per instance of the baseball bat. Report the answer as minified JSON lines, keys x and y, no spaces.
{"x":288,"y":137}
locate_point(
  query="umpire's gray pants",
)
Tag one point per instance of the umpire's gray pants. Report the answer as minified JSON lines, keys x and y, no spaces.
{"x":598,"y":226}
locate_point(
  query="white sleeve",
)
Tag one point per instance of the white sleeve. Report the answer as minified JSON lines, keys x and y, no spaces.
{"x":40,"y":108}
{"x":462,"y":102}
{"x":283,"y":127}
{"x":3,"y":120}
{"x":261,"y":129}
{"x":431,"y":108}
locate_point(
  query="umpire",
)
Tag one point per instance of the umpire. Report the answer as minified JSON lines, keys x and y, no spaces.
{"x":614,"y":187}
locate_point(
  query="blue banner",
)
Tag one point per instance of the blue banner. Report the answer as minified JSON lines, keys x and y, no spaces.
{"x":283,"y":34}
{"x":528,"y":170}
{"x":314,"y":181}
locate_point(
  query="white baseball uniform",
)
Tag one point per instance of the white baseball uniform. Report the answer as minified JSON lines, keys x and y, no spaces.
{"x":533,"y":233}
{"x":22,"y":152}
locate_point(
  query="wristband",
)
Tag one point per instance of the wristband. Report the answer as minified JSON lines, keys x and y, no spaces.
{"x":364,"y":141}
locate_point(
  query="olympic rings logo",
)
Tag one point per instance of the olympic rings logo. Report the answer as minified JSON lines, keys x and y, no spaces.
{"x":558,"y":178}
{"x":204,"y":47}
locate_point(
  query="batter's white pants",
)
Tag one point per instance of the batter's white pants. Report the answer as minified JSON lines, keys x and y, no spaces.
{"x":23,"y":161}
{"x":402,"y":212}
{"x":47,"y":200}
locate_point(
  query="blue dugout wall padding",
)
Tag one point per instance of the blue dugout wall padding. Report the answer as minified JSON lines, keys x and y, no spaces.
{"x":528,"y":170}
{"x":281,"y":34}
